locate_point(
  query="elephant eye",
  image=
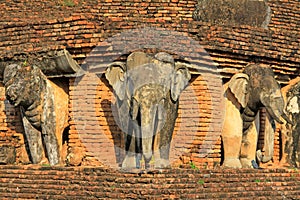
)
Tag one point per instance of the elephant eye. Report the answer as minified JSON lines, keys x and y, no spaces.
{"x":264,"y":88}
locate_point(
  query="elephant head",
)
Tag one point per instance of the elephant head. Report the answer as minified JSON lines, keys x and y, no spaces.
{"x":23,"y":85}
{"x":255,"y":88}
{"x":147,"y":90}
{"x":262,"y":91}
{"x":30,"y":90}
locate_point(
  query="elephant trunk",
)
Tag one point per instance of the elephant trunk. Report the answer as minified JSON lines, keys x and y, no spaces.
{"x":286,"y":118}
{"x":268,"y":141}
{"x":275,"y":114}
{"x":269,"y":132}
{"x":148,"y":131}
{"x":274,"y":104}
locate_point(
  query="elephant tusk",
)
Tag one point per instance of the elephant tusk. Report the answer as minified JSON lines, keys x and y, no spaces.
{"x":262,"y":158}
{"x":277,"y":119}
{"x":287,"y":119}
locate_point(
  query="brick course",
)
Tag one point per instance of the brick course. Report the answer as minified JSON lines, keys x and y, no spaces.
{"x":31,"y":182}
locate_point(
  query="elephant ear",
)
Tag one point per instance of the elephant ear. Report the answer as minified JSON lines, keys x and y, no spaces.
{"x":116,"y":75}
{"x":180,"y":80}
{"x":238,"y":85}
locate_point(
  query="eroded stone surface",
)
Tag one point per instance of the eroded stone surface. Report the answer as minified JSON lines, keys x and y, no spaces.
{"x":291,"y":133}
{"x":245,"y":95}
{"x":44,"y":110}
{"x":7,"y":155}
{"x":233,"y":12}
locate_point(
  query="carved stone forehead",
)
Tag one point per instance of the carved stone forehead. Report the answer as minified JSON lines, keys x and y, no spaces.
{"x":137,"y":59}
{"x":143,"y":69}
{"x":10,"y":72}
{"x":164,"y":57}
{"x":150,"y":73}
{"x":258,"y":70}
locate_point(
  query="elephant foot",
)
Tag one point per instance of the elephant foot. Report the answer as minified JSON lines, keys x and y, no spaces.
{"x":292,"y":164}
{"x":246,"y":163}
{"x":232,"y":163}
{"x":129,"y":162}
{"x":162,"y":164}
{"x":147,"y":165}
{"x":138,"y":159}
{"x":262,"y":158}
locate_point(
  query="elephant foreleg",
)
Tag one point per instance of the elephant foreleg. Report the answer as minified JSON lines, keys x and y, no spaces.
{"x":232,"y":133}
{"x":231,"y":145}
{"x":161,"y":151}
{"x":34,"y":141}
{"x":52,"y":148}
{"x":162,"y":141}
{"x":249,"y":144}
{"x":162,"y":160}
{"x":295,"y":152}
{"x":138,"y":145}
{"x":130,"y":160}
{"x":51,"y":143}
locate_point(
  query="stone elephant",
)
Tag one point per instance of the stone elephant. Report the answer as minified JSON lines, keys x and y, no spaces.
{"x":245,"y":94}
{"x":147,"y":90}
{"x":291,"y":132}
{"x":44,"y":110}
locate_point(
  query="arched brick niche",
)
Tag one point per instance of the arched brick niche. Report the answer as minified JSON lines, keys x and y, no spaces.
{"x":198,"y":125}
{"x":94,"y":125}
{"x":12,"y":131}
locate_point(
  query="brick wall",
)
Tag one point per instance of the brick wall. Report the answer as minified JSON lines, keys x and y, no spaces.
{"x":105,"y":183}
{"x":30,"y":28}
{"x":11,"y":128}
{"x":25,"y":28}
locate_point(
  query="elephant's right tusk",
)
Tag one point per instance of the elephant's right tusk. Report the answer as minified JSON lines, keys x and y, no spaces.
{"x":287,"y":119}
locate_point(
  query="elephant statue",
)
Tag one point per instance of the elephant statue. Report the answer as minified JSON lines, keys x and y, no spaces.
{"x":245,"y":94}
{"x":147,"y":90}
{"x":291,"y":132}
{"x":44,"y":110}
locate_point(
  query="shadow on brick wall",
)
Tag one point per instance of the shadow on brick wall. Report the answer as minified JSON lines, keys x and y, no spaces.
{"x":116,"y":133}
{"x":117,"y":136}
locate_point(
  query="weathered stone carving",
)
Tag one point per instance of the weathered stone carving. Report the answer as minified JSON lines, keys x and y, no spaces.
{"x":233,"y":12}
{"x":147,"y":90}
{"x":7,"y":154}
{"x":291,"y":132}
{"x":44,"y":109}
{"x":52,"y":63}
{"x":245,"y":94}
